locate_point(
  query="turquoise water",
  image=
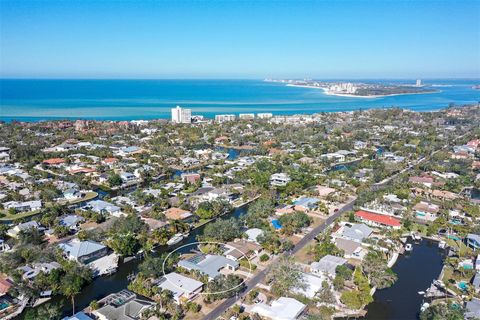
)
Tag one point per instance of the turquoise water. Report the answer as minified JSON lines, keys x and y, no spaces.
{"x":33,"y":100}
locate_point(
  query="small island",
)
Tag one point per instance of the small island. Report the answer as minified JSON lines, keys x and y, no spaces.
{"x":359,"y":90}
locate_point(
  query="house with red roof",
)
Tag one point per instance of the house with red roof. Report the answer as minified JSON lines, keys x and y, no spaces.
{"x":378,"y":220}
{"x":54,"y":161}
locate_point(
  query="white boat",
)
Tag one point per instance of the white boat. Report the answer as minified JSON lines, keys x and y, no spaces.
{"x":408,"y":247}
{"x":442,"y":244}
{"x":175,"y":239}
{"x":425,"y":306}
{"x":421,"y":293}
{"x":415,"y":236}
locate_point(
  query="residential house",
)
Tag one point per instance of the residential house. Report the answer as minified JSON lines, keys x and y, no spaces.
{"x":104,"y":207}
{"x":281,"y":309}
{"x":426,"y":211}
{"x":378,"y":220}
{"x":78,"y":316}
{"x":253,"y":234}
{"x":306,"y":204}
{"x":25,"y":206}
{"x":473,"y":241}
{"x":13,"y":232}
{"x":355,"y":232}
{"x":327,"y":265}
{"x":178,"y":214}
{"x":208,"y":264}
{"x":123,"y":305}
{"x":83,"y":251}
{"x":279,"y":179}
{"x":183,"y":288}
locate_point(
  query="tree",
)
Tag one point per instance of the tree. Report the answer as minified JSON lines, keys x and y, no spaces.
{"x":222,"y":230}
{"x":286,"y":276}
{"x":379,"y":274}
{"x":223,"y":287}
{"x":294,"y":222}
{"x":71,"y":285}
{"x":325,"y":294}
{"x":114,"y":180}
{"x":442,"y":311}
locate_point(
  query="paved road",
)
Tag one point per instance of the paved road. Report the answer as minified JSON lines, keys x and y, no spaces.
{"x":257,"y":278}
{"x":218,"y":311}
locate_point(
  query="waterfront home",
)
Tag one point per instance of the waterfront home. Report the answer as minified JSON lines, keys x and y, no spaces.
{"x":305,"y":204}
{"x":354,"y":231}
{"x":190,"y":177}
{"x":78,"y":316}
{"x":313,"y":284}
{"x":13,"y":232}
{"x":253,"y":234}
{"x":103,"y":207}
{"x":178,"y":214}
{"x":83,"y":251}
{"x":281,"y":309}
{"x":72,"y":194}
{"x":208,"y":264}
{"x":30,"y":272}
{"x":327,"y":265}
{"x":183,"y":288}
{"x":426,"y":211}
{"x":26,"y":206}
{"x":123,"y":305}
{"x":351,"y":249}
{"x":128,"y":177}
{"x":92,"y":254}
{"x":279,"y":179}
{"x":378,"y":220}
{"x":473,"y":241}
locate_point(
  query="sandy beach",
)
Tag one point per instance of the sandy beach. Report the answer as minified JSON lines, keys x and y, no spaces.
{"x":327,"y":92}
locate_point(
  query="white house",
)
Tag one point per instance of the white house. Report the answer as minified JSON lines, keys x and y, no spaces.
{"x":281,"y":309}
{"x":279,"y":179}
{"x":182,"y":287}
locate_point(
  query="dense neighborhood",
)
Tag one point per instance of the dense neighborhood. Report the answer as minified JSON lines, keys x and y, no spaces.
{"x":249,"y":217}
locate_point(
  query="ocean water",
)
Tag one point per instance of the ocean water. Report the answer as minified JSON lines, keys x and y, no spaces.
{"x":34,"y":100}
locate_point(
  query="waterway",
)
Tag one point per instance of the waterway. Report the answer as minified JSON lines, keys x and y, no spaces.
{"x":415,"y":272}
{"x":103,"y":286}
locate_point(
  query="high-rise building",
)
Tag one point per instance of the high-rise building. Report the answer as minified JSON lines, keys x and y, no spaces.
{"x":224,"y":117}
{"x":264,"y":115}
{"x":246,"y":116}
{"x":181,"y":115}
{"x":419,"y":83}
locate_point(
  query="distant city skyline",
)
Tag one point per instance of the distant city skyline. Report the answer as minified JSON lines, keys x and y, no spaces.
{"x":240,"y":39}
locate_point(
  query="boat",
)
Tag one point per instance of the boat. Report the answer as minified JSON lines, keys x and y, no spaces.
{"x":421,"y":293}
{"x":175,"y":239}
{"x":415,"y":236}
{"x":425,"y":306}
{"x":442,"y":244}
{"x":408,"y":247}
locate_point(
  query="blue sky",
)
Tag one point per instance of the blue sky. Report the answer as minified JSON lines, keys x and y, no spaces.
{"x":239,"y":39}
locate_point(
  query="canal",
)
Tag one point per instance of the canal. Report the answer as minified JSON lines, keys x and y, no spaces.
{"x":415,"y":272}
{"x":102,"y":286}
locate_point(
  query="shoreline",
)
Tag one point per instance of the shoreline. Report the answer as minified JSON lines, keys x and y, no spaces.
{"x":326,"y":92}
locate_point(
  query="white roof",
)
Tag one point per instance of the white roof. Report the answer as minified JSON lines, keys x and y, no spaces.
{"x":281,"y":309}
{"x":253,"y":234}
{"x":179,"y":284}
{"x":313,"y":285}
